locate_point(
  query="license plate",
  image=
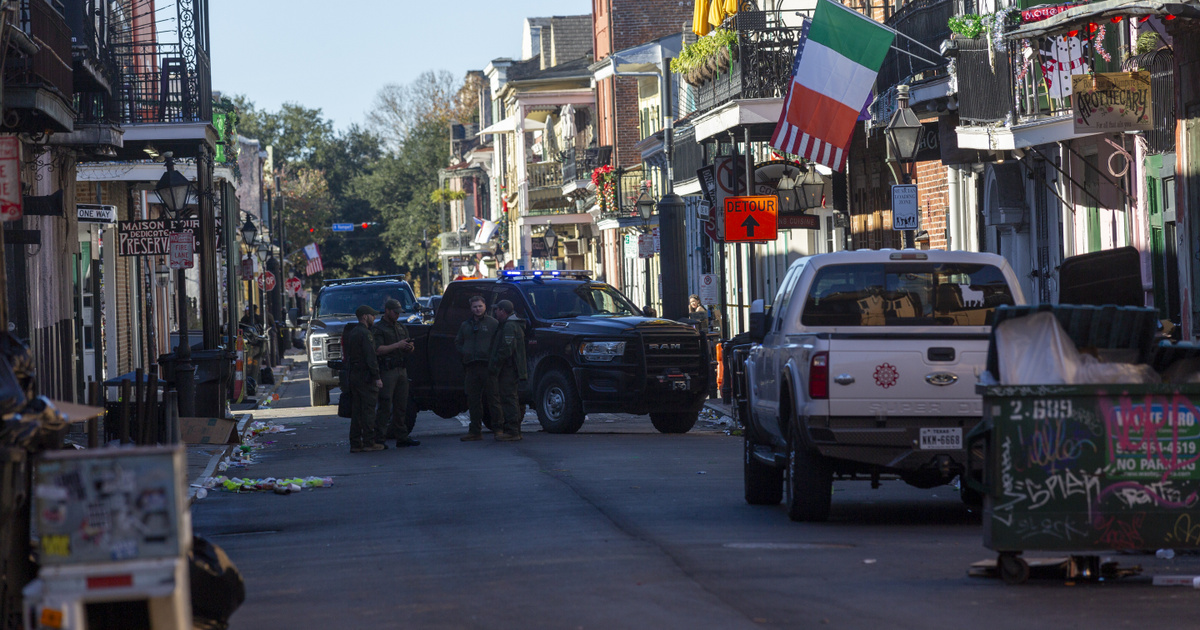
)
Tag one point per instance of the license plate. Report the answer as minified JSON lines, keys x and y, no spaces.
{"x":941,"y":439}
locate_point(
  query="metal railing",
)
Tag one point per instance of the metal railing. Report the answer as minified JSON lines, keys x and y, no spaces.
{"x":1161,"y":66}
{"x":926,"y":21}
{"x":50,"y":67}
{"x":761,"y":66}
{"x":578,"y":164}
{"x":163,"y":83}
{"x":544,"y":175}
{"x":985,"y":91}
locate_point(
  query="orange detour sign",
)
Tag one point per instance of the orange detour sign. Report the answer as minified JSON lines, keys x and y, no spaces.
{"x":751,"y":218}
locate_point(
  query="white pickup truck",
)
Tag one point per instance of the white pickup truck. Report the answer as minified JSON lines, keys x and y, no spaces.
{"x":865,"y":367}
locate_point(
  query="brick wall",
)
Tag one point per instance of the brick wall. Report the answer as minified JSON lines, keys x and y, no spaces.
{"x":933,"y":199}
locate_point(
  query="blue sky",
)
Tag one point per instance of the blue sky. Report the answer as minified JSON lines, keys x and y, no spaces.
{"x":336,"y":55}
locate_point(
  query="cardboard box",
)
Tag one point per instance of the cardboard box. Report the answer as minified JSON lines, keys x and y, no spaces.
{"x":208,"y":431}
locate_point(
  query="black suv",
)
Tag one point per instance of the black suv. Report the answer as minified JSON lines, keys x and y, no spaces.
{"x":589,"y":350}
{"x":334,"y":308}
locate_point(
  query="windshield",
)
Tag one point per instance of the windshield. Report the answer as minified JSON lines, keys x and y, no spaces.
{"x":345,"y":300}
{"x":562,"y":300}
{"x":905,"y":294}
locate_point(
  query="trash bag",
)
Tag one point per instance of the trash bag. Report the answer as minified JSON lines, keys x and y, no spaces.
{"x":266,"y":376}
{"x":217,"y":585}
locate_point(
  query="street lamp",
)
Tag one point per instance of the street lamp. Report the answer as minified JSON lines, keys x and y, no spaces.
{"x":249,"y":232}
{"x":645,"y":205}
{"x":173,"y":188}
{"x":904,"y":130}
{"x":550,"y":238}
{"x":812,"y":187}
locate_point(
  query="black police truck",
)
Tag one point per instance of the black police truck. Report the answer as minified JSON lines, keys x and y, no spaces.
{"x":589,"y":350}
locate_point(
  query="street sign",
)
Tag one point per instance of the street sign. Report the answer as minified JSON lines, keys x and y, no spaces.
{"x":904,"y":207}
{"x":292,"y":285}
{"x":708,"y":289}
{"x":645,"y":245}
{"x":248,"y":268}
{"x":10,"y":178}
{"x":751,"y":218}
{"x":95,"y":213}
{"x":182,"y":249}
{"x":343,"y":227}
{"x":266,"y":281}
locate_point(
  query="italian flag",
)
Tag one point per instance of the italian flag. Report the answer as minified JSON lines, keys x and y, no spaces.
{"x":835,"y":68}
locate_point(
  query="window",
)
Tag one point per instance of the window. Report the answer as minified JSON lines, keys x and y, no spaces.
{"x":346,"y":300}
{"x":565,"y":300}
{"x":904,"y":294}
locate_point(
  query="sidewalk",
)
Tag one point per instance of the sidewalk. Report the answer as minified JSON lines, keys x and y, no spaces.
{"x":203,"y":460}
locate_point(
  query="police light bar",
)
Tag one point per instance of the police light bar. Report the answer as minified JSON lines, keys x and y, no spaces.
{"x":551,"y":273}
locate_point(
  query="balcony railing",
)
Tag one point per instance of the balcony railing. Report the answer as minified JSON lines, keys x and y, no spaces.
{"x":163,"y":83}
{"x":544,"y":175}
{"x":687,"y":155}
{"x":762,"y":67}
{"x":926,"y":21}
{"x":50,"y":67}
{"x":985,"y":90}
{"x":578,"y":164}
{"x":1161,"y":66}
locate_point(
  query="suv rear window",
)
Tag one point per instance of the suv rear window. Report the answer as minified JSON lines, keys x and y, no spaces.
{"x":905,"y":294}
{"x":561,"y":300}
{"x":345,"y":299}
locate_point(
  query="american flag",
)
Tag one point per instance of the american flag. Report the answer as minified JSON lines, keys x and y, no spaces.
{"x":314,"y":259}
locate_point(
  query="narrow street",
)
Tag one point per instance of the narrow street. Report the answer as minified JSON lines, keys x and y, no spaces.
{"x":617,"y":526}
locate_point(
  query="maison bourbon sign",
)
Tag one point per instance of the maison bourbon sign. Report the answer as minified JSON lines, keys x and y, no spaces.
{"x":152,"y":237}
{"x":1111,"y":101}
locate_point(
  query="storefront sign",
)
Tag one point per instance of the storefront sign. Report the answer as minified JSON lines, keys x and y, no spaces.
{"x":10,"y":178}
{"x":799,"y":221}
{"x":151,"y":237}
{"x":1111,"y":101}
{"x":1037,"y":14}
{"x":928,"y":143}
{"x":93,"y":213}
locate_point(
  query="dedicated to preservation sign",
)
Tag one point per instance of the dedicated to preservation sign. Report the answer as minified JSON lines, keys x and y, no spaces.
{"x":1113,"y":101}
{"x":151,"y":237}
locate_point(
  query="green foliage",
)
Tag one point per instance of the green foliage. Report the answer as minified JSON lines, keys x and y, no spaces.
{"x":1146,"y":42}
{"x":445,"y":195}
{"x":968,"y":25}
{"x":698,"y":52}
{"x":295,"y":131}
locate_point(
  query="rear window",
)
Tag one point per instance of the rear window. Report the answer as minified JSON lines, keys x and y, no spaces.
{"x":905,"y":294}
{"x":344,"y":300}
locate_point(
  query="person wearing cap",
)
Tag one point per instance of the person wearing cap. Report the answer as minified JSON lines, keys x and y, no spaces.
{"x":365,"y":381}
{"x":392,"y":345}
{"x":507,"y":366}
{"x":474,"y":343}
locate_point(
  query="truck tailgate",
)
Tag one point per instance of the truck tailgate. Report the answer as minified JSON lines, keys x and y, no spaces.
{"x":913,"y":375}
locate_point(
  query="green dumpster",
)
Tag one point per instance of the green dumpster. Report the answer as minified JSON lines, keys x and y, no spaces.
{"x":1089,"y":468}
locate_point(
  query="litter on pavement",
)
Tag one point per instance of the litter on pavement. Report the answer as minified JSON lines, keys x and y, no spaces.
{"x":269,"y":484}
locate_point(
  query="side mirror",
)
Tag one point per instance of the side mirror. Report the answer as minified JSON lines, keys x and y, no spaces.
{"x":758,"y":320}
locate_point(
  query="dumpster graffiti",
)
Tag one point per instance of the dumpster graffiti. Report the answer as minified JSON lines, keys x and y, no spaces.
{"x":1156,"y":437}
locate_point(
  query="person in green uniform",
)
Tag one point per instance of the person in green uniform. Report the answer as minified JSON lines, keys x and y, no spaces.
{"x":365,"y":381}
{"x":508,"y":367}
{"x":392,"y":345}
{"x":474,"y":343}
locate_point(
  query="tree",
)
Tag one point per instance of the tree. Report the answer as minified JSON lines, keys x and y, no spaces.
{"x":295,"y":131}
{"x":434,"y":96}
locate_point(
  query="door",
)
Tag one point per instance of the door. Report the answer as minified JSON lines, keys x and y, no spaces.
{"x":1164,"y":263}
{"x":1091,"y":186}
{"x":85,"y":305}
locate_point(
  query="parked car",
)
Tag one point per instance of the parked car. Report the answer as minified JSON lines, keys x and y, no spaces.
{"x":865,"y":367}
{"x":589,"y":349}
{"x":335,"y":304}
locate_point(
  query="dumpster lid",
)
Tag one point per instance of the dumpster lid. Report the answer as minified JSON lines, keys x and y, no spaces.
{"x":1112,"y":276}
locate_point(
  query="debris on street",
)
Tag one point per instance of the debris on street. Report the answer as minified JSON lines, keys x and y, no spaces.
{"x":269,"y":484}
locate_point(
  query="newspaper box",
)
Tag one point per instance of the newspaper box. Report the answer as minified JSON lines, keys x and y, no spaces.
{"x":113,"y":531}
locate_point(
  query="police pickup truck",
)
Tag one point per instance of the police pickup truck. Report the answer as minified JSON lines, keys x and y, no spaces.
{"x":333,"y":308}
{"x":865,"y":368}
{"x":589,"y":350}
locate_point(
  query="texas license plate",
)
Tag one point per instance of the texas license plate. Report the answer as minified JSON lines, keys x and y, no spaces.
{"x":941,"y":439}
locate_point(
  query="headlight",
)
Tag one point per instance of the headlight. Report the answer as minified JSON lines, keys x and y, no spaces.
{"x":316,"y":346}
{"x":601,"y":350}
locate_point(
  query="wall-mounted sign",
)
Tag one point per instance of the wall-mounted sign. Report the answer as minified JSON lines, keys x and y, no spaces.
{"x":799,"y":221}
{"x":151,"y":237}
{"x":183,"y":250}
{"x":94,"y":213}
{"x":1111,"y":101}
{"x":10,"y":178}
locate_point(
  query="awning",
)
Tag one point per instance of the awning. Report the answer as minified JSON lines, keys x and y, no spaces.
{"x":736,"y":113}
{"x":639,"y":59}
{"x":509,"y":125}
{"x":1102,"y":10}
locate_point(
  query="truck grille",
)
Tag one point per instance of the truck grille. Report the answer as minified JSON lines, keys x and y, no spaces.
{"x":333,"y":348}
{"x":672,"y":352}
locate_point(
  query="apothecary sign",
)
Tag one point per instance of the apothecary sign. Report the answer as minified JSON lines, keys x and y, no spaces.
{"x":1111,"y":101}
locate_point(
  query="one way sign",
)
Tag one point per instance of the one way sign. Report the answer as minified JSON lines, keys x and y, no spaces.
{"x":751,"y":218}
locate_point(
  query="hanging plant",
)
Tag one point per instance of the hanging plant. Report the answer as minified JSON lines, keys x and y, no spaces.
{"x":702,"y":59}
{"x":968,"y":25}
{"x":605,"y":181}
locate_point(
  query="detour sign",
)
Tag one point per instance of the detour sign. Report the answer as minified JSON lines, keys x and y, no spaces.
{"x":751,"y":218}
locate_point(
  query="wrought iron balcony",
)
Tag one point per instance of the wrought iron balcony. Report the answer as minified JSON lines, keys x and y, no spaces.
{"x":168,"y":81}
{"x":926,"y":21}
{"x":38,"y":84}
{"x":985,"y":85}
{"x":761,"y":66}
{"x":578,"y":164}
{"x":1161,"y":66}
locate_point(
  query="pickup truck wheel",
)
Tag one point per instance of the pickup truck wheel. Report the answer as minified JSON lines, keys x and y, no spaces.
{"x":674,"y":422}
{"x":809,"y":484}
{"x":764,"y":484}
{"x":318,"y":396}
{"x":557,"y":404}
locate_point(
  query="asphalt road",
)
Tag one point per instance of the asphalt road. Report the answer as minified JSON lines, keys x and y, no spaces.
{"x":616,"y":527}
